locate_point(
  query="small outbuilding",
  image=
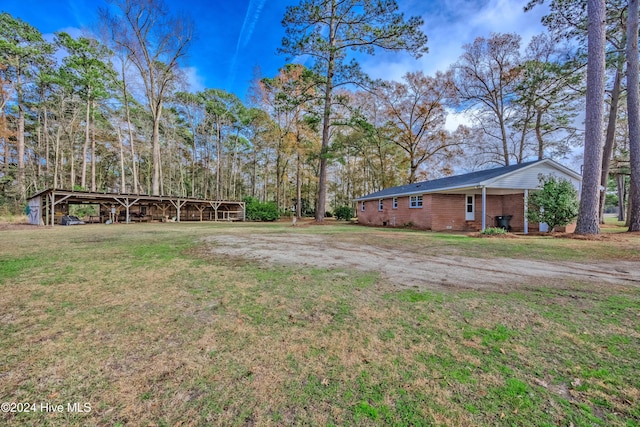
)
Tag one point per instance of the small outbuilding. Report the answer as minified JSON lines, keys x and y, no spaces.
{"x":469,"y":202}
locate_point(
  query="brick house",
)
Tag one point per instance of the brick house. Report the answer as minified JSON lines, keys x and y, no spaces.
{"x":469,"y":202}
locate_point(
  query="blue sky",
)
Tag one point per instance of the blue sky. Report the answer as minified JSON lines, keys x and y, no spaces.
{"x":236,"y":36}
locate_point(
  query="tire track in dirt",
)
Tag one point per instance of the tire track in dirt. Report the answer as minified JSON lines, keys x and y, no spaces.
{"x":406,"y":268}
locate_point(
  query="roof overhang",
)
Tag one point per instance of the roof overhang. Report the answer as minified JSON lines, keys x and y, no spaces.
{"x":465,"y":189}
{"x":95,"y":197}
{"x":477,"y":186}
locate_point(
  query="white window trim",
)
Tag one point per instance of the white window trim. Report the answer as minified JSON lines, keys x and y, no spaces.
{"x":362,"y":208}
{"x":394,"y":203}
{"x":414,"y":200}
{"x":470,"y":216}
{"x":380,"y":205}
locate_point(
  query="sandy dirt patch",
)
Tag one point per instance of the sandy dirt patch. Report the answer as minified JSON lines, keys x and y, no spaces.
{"x":409,"y":269}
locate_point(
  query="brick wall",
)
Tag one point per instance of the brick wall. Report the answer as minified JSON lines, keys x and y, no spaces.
{"x":448,"y":212}
{"x":513,"y":204}
{"x":442,"y":212}
{"x":401,"y":216}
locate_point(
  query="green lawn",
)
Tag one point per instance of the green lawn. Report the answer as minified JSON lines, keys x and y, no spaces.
{"x":147,"y":327}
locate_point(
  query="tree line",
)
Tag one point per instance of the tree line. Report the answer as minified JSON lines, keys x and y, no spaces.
{"x":111,"y":110}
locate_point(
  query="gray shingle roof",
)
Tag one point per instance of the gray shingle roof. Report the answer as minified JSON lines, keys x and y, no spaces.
{"x":457,"y":181}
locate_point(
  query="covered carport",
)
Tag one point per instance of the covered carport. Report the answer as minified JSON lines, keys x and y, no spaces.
{"x":44,"y":207}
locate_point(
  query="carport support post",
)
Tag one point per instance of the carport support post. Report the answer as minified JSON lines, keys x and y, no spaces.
{"x":201,"y":210}
{"x":484,"y":208}
{"x":52,"y":207}
{"x":215,"y":206}
{"x":52,"y":198}
{"x":127,"y":205}
{"x":126,"y":200}
{"x":178,"y":205}
{"x":526,"y":208}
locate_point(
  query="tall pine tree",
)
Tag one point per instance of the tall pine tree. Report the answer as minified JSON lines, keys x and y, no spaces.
{"x":326,"y":30}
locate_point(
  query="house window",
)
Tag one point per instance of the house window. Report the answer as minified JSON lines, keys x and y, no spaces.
{"x":470,"y":208}
{"x":395,"y":203}
{"x":362,"y":208}
{"x":380,"y":205}
{"x":415,"y":201}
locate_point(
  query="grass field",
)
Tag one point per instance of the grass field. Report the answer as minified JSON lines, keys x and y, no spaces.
{"x":143,"y":325}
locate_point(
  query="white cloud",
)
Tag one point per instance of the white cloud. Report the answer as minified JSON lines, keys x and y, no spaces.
{"x":194,"y":79}
{"x":254,"y":10}
{"x":449,"y":24}
{"x":455,"y":119}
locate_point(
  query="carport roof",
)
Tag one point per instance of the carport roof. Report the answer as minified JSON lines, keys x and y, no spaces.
{"x":481,"y":178}
{"x":97,"y":197}
{"x":52,"y":197}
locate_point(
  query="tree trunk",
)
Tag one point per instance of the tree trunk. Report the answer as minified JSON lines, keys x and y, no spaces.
{"x":85,"y":149}
{"x":218,"y":159}
{"x":298,"y":180}
{"x":93,"y":150}
{"x":633,"y":110}
{"x":72,"y":161}
{"x":21,"y":169}
{"x":236,"y":167}
{"x":588,"y":214}
{"x":47,"y":143}
{"x":7,"y":155}
{"x":194,"y":163}
{"x":326,"y":118}
{"x":254,"y":174}
{"x":279,"y":175}
{"x":412,"y":172}
{"x":134,"y":166}
{"x":627,"y":222}
{"x":155,"y":180}
{"x":381,"y":180}
{"x":57,"y":158}
{"x":539,"y":135}
{"x":610,"y":138}
{"x":206,"y":172}
{"x":505,"y":140}
{"x":36,"y":159}
{"x":326,"y":126}
{"x":123,"y":182}
{"x":161,"y":172}
{"x":265,"y":178}
{"x":523,"y":135}
{"x":622,"y":195}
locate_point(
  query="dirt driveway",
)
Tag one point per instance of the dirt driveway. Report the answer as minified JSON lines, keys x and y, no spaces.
{"x":405,"y":268}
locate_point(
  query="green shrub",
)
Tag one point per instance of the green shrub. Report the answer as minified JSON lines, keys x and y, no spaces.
{"x":260,"y":211}
{"x":556,"y":203}
{"x":492,"y":231}
{"x":343,"y":213}
{"x":82,"y":211}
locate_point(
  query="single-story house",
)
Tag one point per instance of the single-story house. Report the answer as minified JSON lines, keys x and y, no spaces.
{"x":469,"y":202}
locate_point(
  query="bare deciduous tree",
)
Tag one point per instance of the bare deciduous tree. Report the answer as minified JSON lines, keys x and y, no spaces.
{"x":416,"y":118}
{"x":155,"y":43}
{"x":485,"y":78}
